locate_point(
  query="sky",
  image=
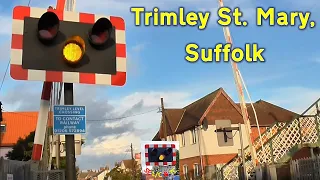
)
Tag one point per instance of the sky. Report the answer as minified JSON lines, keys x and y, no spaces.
{"x":157,"y":68}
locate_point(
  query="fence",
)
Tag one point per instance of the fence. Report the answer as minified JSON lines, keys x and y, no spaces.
{"x":22,"y":170}
{"x":19,"y":169}
{"x":306,"y":169}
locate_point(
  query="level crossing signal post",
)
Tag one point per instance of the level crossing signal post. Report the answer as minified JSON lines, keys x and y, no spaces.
{"x":52,"y":45}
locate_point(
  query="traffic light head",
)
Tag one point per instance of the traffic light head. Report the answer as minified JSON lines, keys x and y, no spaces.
{"x":57,"y":46}
{"x":160,"y":155}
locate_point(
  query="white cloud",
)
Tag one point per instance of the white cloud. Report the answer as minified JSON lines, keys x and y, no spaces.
{"x":295,"y":98}
{"x":111,"y":145}
{"x":147,"y":123}
{"x":153,"y":98}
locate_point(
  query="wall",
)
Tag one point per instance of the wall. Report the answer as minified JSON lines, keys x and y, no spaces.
{"x":102,"y":175}
{"x":4,"y":151}
{"x":209,"y":143}
{"x":255,"y":132}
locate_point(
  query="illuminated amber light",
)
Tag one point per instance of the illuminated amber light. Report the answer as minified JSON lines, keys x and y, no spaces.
{"x":161,"y":157}
{"x":74,"y":49}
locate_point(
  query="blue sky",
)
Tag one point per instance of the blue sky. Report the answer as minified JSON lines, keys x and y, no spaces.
{"x":156,"y":65}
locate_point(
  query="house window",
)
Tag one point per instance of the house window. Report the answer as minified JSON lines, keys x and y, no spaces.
{"x":3,"y":128}
{"x":196,"y":170}
{"x":185,"y":171}
{"x":183,"y":139}
{"x":194,"y":136}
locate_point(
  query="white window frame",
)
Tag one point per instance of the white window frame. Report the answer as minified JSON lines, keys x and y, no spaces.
{"x":183,"y":139}
{"x":194,"y":136}
{"x":4,"y":127}
{"x":185,"y":170}
{"x":196,"y":170}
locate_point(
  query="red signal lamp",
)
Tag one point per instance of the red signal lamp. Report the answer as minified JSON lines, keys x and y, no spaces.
{"x":100,"y":33}
{"x":48,"y":27}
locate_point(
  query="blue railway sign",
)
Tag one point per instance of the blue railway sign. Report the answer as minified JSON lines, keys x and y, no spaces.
{"x":69,"y":119}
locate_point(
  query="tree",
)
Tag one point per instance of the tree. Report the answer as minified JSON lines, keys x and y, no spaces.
{"x":177,"y":161}
{"x":118,"y":174}
{"x":22,"y":150}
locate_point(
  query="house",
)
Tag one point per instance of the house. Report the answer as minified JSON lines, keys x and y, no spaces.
{"x":129,"y":164}
{"x":102,"y":173}
{"x":16,"y":125}
{"x":193,"y":126}
{"x":88,"y":175}
{"x":94,"y":174}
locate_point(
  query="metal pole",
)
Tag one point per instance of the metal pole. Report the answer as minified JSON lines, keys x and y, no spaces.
{"x":164,"y":120}
{"x":57,"y":137}
{"x":70,"y":147}
{"x":244,"y":175}
{"x":59,"y":6}
{"x":68,"y":100}
{"x":133,"y":164}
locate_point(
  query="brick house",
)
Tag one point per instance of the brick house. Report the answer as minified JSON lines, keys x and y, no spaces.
{"x":16,"y":125}
{"x":94,"y":174}
{"x":199,"y":150}
{"x":129,"y":164}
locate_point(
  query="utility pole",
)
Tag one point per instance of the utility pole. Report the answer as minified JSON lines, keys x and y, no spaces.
{"x":133,"y":164}
{"x":163,"y":119}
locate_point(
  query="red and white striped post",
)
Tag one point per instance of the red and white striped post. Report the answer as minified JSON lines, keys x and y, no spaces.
{"x":42,"y":121}
{"x":40,"y":133}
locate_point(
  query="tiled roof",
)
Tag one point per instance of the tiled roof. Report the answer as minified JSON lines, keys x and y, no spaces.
{"x":128,"y":163}
{"x":192,"y":115}
{"x":268,"y":113}
{"x":18,"y":125}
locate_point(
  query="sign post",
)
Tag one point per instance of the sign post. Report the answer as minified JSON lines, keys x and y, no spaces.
{"x":69,"y":120}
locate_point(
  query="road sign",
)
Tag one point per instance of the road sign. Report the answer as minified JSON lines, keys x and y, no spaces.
{"x":160,"y":154}
{"x":63,"y":46}
{"x":69,"y":119}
